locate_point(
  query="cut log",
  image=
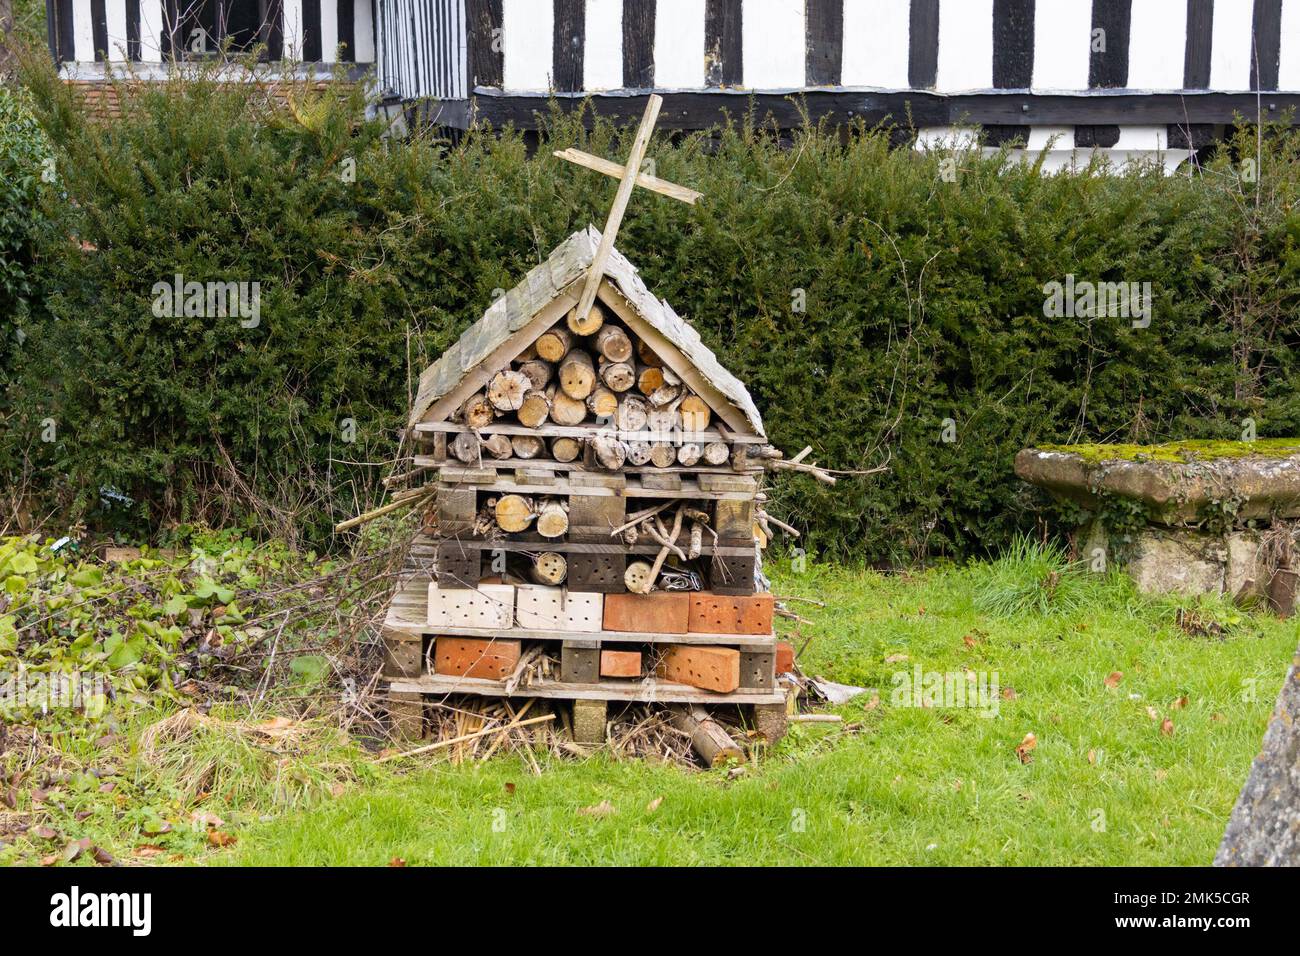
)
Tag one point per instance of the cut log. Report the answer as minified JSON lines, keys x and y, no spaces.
{"x":648,"y":379}
{"x":535,"y":409}
{"x":527,"y":446}
{"x":467,"y":448}
{"x":566,"y":449}
{"x":566,"y":410}
{"x":553,"y":344}
{"x":637,"y":577}
{"x":632,"y":413}
{"x":662,"y":454}
{"x":708,"y":738}
{"x":695,"y":413}
{"x":664,"y":421}
{"x":594,"y":319}
{"x":647,"y":355}
{"x":539,"y":372}
{"x":716,"y":453}
{"x":477,"y":411}
{"x":498,"y":446}
{"x":550,"y":567}
{"x":507,"y":389}
{"x":689,"y":454}
{"x":610,"y":453}
{"x":613,"y":343}
{"x":603,"y":403}
{"x":577,"y":374}
{"x":513,"y":513}
{"x":552,"y":519}
{"x":619,"y":376}
{"x":638,"y":452}
{"x":664,"y":395}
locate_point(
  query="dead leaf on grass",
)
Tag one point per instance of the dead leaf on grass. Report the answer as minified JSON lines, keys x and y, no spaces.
{"x":1113,"y":678}
{"x":653,"y":805}
{"x":1025,"y":750}
{"x":602,"y":809}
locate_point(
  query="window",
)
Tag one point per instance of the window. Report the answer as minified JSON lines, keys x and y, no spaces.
{"x":207,"y":27}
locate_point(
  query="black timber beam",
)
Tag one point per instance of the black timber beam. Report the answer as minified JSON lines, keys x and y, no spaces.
{"x":700,"y":110}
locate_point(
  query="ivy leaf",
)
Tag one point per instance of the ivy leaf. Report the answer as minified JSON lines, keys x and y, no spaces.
{"x":126,"y":653}
{"x":22,"y":563}
{"x":88,"y":576}
{"x":310,"y":667}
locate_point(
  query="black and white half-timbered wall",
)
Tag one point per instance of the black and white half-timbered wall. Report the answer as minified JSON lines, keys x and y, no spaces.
{"x":1130,"y":76}
{"x":140,"y":35}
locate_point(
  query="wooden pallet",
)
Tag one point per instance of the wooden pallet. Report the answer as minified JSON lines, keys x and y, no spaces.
{"x":551,"y":430}
{"x":404,"y":619}
{"x":649,"y":690}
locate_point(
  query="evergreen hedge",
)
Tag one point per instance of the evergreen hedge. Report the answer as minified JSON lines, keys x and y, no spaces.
{"x":922,"y":305}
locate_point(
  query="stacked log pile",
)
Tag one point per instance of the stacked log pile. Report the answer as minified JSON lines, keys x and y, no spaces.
{"x":597,"y":537}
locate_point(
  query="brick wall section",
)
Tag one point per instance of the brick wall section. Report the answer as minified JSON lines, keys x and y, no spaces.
{"x":102,"y":101}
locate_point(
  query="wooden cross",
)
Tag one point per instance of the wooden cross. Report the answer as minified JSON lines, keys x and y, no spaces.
{"x":628,"y":176}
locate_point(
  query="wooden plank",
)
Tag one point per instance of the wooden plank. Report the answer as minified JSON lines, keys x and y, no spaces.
{"x":703,"y":109}
{"x":576,"y":468}
{"x":1109,"y":67}
{"x":590,"y":431}
{"x":639,"y":44}
{"x":1267,"y":46}
{"x":614,"y":170}
{"x":1196,"y":56}
{"x":401,"y":622}
{"x":824,"y":41}
{"x":724,"y":43}
{"x":650,"y":690}
{"x":99,"y":29}
{"x":923,"y":44}
{"x":1013,"y":43}
{"x":505,"y":353}
{"x":596,"y":271}
{"x":530,"y":541}
{"x":568,"y":44}
{"x":689,"y":489}
{"x":483,"y":19}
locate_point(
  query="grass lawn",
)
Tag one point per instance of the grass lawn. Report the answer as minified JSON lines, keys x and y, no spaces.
{"x":1108,"y":782}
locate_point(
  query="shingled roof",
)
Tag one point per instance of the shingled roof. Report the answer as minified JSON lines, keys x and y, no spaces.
{"x":567,"y":265}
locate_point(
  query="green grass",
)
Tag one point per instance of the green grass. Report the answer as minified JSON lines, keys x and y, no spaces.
{"x":910,"y":785}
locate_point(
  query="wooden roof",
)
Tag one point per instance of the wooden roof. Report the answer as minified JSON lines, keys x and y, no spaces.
{"x":511,"y":324}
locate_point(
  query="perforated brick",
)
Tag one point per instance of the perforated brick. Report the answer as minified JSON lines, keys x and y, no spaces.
{"x":558,"y":609}
{"x":485,"y":605}
{"x":709,"y":668}
{"x":730,"y":614}
{"x":490,"y":659}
